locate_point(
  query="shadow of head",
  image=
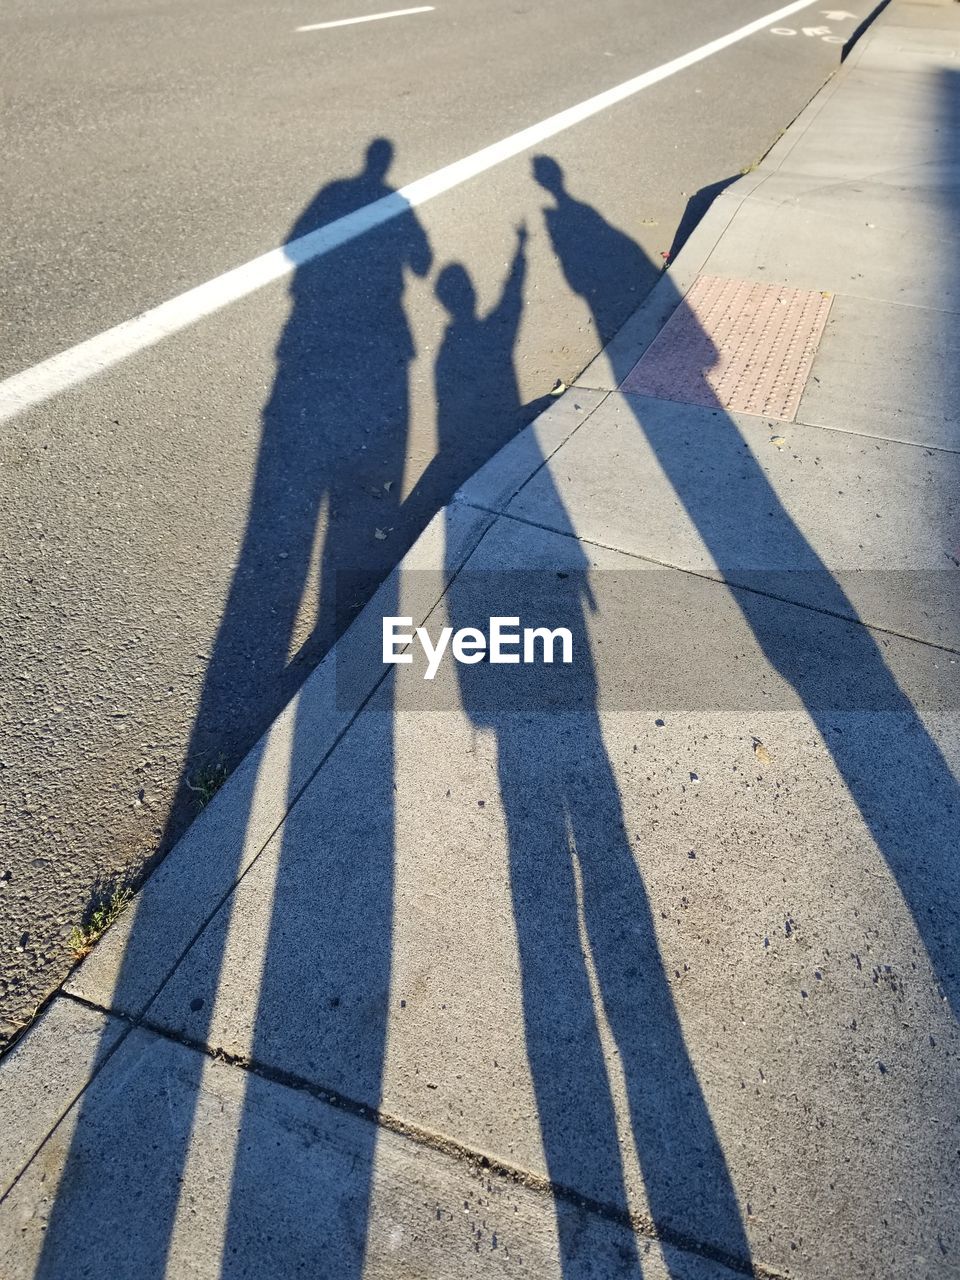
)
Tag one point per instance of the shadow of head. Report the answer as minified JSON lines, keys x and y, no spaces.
{"x":378,"y":158}
{"x":456,"y":292}
{"x":549,"y":175}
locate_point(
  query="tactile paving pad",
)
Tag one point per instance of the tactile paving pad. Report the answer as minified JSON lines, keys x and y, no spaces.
{"x":735,"y":344}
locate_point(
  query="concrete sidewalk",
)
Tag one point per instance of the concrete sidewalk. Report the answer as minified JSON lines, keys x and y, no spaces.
{"x":645,"y":965}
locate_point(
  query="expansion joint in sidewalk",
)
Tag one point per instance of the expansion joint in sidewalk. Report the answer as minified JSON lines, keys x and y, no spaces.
{"x":639,"y":1224}
{"x":725,"y":582}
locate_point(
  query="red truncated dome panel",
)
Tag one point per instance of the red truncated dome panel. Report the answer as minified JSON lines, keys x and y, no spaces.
{"x":735,"y":344}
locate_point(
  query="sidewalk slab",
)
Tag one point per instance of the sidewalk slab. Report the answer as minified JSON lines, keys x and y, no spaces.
{"x":710,"y":491}
{"x":44,"y":1073}
{"x":887,"y":110}
{"x":889,"y":371}
{"x":815,"y":248}
{"x":912,"y":201}
{"x":310,"y":1178}
{"x":923,"y":32}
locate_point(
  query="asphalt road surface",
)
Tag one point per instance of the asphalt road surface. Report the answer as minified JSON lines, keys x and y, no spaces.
{"x":171,"y":529}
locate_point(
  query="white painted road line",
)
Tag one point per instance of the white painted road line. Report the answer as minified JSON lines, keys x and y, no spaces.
{"x":72,"y":367}
{"x":370,"y":17}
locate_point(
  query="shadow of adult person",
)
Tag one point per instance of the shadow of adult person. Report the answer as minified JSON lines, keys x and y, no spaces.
{"x":892,"y":767}
{"x":570,"y":861}
{"x":330,"y":463}
{"x":328,"y":475}
{"x":600,"y":262}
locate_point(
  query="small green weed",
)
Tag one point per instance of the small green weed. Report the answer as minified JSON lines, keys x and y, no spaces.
{"x":98,"y":921}
{"x":206,"y":781}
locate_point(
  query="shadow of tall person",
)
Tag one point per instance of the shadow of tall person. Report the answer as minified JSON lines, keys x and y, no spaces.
{"x":328,"y":474}
{"x":893,"y":768}
{"x":600,"y":262}
{"x":330,"y":462}
{"x":572,"y":870}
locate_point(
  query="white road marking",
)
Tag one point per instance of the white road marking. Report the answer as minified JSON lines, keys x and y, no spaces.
{"x":76,"y":365}
{"x":370,"y":17}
